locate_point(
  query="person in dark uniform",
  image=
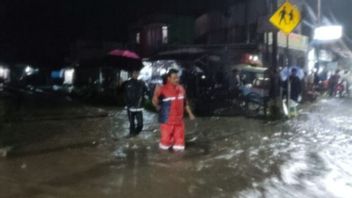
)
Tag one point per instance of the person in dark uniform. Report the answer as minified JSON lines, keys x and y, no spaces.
{"x":235,"y":84}
{"x":333,"y":82}
{"x":134,"y":92}
{"x":296,"y":85}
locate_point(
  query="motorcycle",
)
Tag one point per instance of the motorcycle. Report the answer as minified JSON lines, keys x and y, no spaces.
{"x":340,"y":90}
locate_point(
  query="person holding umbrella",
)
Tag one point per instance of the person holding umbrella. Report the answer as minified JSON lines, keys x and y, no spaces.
{"x":295,"y":76}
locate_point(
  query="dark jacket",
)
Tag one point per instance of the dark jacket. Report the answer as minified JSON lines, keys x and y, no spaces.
{"x":134,"y":92}
{"x":296,"y":87}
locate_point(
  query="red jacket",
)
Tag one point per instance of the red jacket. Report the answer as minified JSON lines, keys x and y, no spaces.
{"x":171,"y":99}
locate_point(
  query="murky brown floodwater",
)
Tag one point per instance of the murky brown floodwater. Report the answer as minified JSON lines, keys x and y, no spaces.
{"x":310,"y":156}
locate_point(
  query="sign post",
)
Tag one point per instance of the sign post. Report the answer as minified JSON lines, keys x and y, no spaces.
{"x":286,"y":19}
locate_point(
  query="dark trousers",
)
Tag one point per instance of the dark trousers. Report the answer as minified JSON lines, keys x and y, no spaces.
{"x":332,"y":89}
{"x":133,"y":117}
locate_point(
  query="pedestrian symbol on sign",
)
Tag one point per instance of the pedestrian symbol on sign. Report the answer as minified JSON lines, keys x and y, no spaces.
{"x":283,"y":15}
{"x":291,"y":16}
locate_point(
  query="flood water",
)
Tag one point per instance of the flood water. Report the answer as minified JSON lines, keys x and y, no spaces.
{"x":81,"y":151}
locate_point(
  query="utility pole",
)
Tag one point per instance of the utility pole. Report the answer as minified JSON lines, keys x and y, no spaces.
{"x":246,"y":19}
{"x":319,"y":11}
{"x":318,"y":23}
{"x":275,"y":42}
{"x":275,"y":82}
{"x":275,"y":39}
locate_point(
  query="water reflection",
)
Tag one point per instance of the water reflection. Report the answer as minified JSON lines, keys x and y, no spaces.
{"x":225,"y":157}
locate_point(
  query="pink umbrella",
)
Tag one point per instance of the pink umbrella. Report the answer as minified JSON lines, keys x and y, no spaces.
{"x":124,"y":54}
{"x":124,"y":59}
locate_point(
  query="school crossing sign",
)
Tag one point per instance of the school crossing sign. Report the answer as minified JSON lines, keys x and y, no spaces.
{"x":286,"y":18}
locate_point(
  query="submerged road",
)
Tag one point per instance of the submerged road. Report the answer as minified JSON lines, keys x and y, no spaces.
{"x":77,"y":151}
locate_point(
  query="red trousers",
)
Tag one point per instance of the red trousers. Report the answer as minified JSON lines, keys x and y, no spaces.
{"x":172,"y":136}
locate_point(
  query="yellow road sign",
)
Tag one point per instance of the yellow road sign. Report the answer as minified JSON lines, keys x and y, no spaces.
{"x":286,"y":18}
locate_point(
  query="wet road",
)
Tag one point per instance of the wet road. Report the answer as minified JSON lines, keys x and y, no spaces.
{"x":77,"y":156}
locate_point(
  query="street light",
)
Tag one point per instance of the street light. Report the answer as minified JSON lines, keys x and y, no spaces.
{"x":324,"y":34}
{"x":2,"y":72}
{"x":319,"y":11}
{"x":328,"y":33}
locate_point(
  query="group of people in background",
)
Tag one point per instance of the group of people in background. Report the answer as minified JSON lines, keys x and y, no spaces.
{"x":339,"y":83}
{"x":336,"y":84}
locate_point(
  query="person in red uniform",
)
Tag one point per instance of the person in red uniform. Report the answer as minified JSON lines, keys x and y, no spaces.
{"x":170,"y":101}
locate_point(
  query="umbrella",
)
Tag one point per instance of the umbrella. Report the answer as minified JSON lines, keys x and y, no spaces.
{"x":249,"y":68}
{"x":124,"y":59}
{"x":287,"y":71}
{"x":124,"y":54}
{"x":180,"y":54}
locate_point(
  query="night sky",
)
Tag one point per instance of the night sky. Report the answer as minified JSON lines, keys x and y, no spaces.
{"x":43,"y":29}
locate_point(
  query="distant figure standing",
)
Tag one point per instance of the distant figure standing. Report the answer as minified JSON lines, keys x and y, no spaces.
{"x":134,"y":92}
{"x":296,"y":85}
{"x":333,"y":82}
{"x":235,"y":83}
{"x":170,"y":101}
{"x":346,"y":81}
